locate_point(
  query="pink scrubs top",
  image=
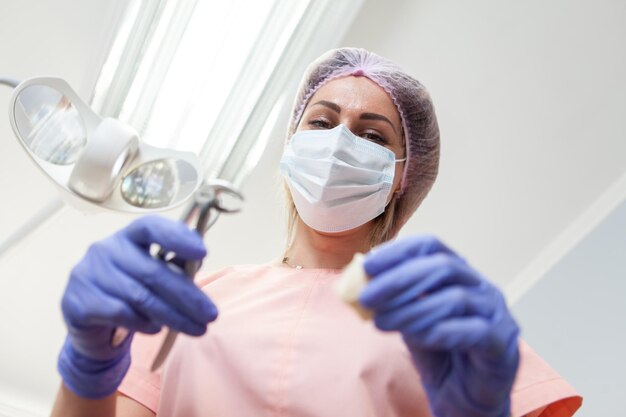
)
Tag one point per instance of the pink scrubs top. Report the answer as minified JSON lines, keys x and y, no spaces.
{"x":285,"y":345}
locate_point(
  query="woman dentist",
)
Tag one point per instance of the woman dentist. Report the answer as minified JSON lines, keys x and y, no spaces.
{"x":362,"y":153}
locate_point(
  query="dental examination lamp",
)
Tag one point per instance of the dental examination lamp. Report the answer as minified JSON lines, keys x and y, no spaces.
{"x":101,"y":162}
{"x":97,"y":162}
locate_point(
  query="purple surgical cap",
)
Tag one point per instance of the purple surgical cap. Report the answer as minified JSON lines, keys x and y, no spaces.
{"x":419,"y":123}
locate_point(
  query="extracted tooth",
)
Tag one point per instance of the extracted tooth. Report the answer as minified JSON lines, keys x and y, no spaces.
{"x":352,"y":281}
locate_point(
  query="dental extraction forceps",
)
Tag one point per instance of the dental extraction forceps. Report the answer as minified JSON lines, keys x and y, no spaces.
{"x":201,"y":214}
{"x":204,"y":210}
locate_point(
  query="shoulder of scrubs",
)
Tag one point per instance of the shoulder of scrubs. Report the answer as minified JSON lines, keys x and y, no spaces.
{"x":539,"y":391}
{"x":140,"y":383}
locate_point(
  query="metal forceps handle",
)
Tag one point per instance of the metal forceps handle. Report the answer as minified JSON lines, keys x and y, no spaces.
{"x":204,"y":210}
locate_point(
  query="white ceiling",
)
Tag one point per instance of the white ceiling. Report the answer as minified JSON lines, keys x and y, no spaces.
{"x":531,"y":100}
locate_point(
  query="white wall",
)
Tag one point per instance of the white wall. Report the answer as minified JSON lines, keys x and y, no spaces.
{"x":530,"y":97}
{"x":575,"y":316}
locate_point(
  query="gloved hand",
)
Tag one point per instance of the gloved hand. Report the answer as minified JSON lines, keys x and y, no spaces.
{"x":455,"y":323}
{"x":118,"y":283}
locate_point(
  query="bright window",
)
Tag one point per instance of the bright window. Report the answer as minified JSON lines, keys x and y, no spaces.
{"x":209,"y":76}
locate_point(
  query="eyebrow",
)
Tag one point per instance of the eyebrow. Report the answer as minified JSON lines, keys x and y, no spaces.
{"x":364,"y":116}
{"x":376,"y":116}
{"x":329,"y":104}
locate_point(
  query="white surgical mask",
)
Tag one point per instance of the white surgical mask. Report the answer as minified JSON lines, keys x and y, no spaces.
{"x":338,"y":180}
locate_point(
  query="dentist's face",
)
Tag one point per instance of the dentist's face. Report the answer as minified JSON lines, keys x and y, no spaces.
{"x":364,"y":108}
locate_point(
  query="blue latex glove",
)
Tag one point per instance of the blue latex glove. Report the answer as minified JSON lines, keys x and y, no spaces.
{"x":118,"y":283}
{"x":455,"y":323}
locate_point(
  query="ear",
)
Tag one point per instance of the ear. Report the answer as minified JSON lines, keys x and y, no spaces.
{"x":392,"y":196}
